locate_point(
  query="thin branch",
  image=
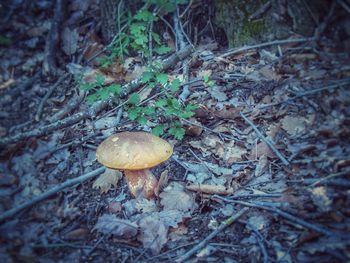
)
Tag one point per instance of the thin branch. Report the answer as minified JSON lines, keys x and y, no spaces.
{"x":268,"y":142}
{"x":298,"y":220}
{"x":266,"y":44}
{"x":47,"y":95}
{"x":70,"y":182}
{"x":213,"y":234}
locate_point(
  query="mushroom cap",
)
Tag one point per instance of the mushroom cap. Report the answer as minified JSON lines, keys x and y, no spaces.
{"x":133,"y":151}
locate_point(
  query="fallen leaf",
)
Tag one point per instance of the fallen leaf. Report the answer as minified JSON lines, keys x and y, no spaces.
{"x":174,"y":197}
{"x":171,"y":218}
{"x":140,"y":205}
{"x":69,"y":41}
{"x":294,"y":125}
{"x":321,"y":198}
{"x":110,"y":224}
{"x":162,"y":182}
{"x":217,"y":93}
{"x":257,"y":223}
{"x":261,"y":166}
{"x":106,"y":180}
{"x":153,"y":233}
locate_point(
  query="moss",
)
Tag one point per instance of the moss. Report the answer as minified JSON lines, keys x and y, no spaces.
{"x":233,"y":16}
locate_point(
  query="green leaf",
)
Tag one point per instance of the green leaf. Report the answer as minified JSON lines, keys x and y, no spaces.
{"x":191,"y":107}
{"x":186,"y":114}
{"x":144,"y":15}
{"x":114,"y":89}
{"x":177,"y":132}
{"x":175,"y":104}
{"x":133,"y":113}
{"x":103,"y":94}
{"x":156,"y":38}
{"x":205,"y":78}
{"x":148,"y":110}
{"x":99,"y":80}
{"x":175,"y":85}
{"x":161,"y":103}
{"x":141,"y":120}
{"x":162,"y":78}
{"x":5,"y":41}
{"x":158,"y":130}
{"x":136,"y":29}
{"x":87,"y":86}
{"x":134,"y":99}
{"x":162,"y":50}
{"x":91,"y":98}
{"x":147,"y":76}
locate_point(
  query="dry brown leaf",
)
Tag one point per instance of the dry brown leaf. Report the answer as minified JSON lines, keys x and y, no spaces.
{"x":136,"y":73}
{"x":106,"y":180}
{"x":262,"y":165}
{"x":174,"y":197}
{"x":294,"y":125}
{"x":217,"y":93}
{"x":268,"y":73}
{"x":153,"y":233}
{"x":162,"y":182}
{"x":321,"y":198}
{"x":110,"y":224}
{"x":261,"y":149}
{"x":70,"y":41}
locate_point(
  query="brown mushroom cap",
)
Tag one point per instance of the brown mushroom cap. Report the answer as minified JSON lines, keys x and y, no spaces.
{"x":133,"y":151}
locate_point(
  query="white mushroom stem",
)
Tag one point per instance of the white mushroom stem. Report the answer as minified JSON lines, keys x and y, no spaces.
{"x":141,"y":182}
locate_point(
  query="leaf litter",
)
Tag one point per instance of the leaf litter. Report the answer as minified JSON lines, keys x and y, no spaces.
{"x":295,"y":97}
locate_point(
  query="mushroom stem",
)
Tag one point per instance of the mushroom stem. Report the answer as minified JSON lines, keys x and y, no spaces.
{"x":141,"y":182}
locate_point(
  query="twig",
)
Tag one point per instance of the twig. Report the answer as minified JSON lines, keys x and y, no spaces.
{"x":50,"y":63}
{"x":266,"y":44}
{"x":344,"y":5}
{"x":47,"y":95}
{"x":330,"y":177}
{"x":97,"y":107}
{"x":43,"y":130}
{"x":70,"y":182}
{"x":268,"y":142}
{"x":261,"y":244}
{"x":262,"y":10}
{"x":299,"y":221}
{"x":213,"y":234}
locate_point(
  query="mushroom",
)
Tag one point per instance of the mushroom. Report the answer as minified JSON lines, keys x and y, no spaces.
{"x":135,"y":153}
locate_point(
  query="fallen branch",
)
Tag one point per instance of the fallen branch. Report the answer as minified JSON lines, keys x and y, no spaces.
{"x":92,"y":112}
{"x":299,"y":221}
{"x":70,"y":182}
{"x":266,"y":44}
{"x":213,"y":234}
{"x":268,"y":142}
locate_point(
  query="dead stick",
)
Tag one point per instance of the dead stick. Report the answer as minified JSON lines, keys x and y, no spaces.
{"x":70,"y":182}
{"x":213,"y":234}
{"x":266,"y":44}
{"x":268,"y":142}
{"x":43,"y":130}
{"x":299,"y":221}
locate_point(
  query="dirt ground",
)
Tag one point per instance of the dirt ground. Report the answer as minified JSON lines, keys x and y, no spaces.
{"x":261,"y":175}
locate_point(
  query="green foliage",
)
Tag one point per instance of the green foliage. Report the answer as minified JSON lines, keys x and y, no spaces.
{"x":135,"y":38}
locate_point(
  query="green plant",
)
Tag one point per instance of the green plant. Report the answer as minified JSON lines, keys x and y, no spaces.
{"x":136,"y":37}
{"x":166,"y":107}
{"x":98,"y":91}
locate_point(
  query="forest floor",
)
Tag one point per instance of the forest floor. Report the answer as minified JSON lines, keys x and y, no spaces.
{"x":261,"y":175}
